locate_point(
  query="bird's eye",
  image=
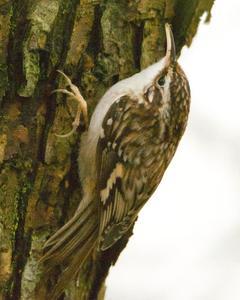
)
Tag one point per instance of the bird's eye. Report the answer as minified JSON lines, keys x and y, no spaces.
{"x":161,"y":81}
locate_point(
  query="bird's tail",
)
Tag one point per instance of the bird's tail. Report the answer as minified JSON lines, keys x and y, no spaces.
{"x":71,"y":245}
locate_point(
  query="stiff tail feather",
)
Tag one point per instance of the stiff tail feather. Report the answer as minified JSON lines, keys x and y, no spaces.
{"x":71,"y":245}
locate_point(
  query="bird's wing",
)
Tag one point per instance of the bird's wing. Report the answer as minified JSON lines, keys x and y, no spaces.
{"x":121,"y":177}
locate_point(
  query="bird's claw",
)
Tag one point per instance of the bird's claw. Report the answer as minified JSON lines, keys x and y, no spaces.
{"x":82,"y":104}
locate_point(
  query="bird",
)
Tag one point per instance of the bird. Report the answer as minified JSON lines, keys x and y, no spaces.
{"x":128,"y":144}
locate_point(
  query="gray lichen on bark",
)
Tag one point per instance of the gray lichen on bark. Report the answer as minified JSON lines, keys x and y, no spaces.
{"x":41,"y":18}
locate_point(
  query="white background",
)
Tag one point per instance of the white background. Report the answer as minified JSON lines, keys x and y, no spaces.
{"x":186,"y":243}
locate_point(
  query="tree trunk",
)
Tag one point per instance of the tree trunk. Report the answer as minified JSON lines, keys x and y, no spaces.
{"x":97,"y":43}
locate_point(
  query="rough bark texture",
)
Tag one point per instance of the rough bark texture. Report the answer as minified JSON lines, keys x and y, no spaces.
{"x":96,"y":42}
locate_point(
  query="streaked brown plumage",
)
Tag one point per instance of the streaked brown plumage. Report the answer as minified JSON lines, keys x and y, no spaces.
{"x":132,"y":137}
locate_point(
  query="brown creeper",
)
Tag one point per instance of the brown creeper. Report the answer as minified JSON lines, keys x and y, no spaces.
{"x":133,"y":135}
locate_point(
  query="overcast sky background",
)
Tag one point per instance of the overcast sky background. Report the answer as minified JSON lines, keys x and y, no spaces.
{"x":186,"y":243}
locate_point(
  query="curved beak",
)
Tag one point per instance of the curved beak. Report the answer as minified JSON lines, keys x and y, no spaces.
{"x":171,"y":50}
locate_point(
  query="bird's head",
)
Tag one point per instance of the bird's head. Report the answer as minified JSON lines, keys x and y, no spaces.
{"x":155,"y":79}
{"x":158,"y":77}
{"x":164,"y":83}
{"x":155,"y":83}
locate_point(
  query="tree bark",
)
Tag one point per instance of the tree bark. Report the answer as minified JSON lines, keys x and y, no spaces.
{"x":97,"y":43}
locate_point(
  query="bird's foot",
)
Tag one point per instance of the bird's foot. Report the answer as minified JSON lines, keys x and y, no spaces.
{"x":74,"y":93}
